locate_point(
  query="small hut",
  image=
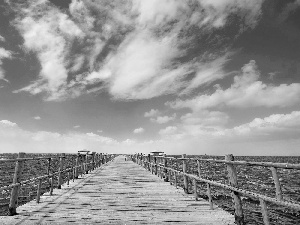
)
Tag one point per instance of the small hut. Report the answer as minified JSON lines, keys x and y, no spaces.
{"x":83,"y":152}
{"x":157,"y":153}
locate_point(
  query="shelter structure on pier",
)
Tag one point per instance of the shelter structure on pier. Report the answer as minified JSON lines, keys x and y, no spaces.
{"x":157,"y":153}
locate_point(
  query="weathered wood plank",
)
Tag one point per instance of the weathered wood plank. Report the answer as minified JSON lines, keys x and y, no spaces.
{"x":119,"y":192}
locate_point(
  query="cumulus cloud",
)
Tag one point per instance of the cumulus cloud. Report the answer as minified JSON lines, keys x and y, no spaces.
{"x":2,"y":38}
{"x":205,"y":118}
{"x":49,"y":35}
{"x":152,"y":113}
{"x":37,"y":118}
{"x":76,"y":126}
{"x":139,"y":130}
{"x":246,"y":91}
{"x":133,"y":49}
{"x":7,"y":123}
{"x":286,"y":124}
{"x":13,"y":138}
{"x":168,"y":130}
{"x":163,"y":119}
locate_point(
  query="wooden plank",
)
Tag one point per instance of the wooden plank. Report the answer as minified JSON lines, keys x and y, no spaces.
{"x":120,"y":192}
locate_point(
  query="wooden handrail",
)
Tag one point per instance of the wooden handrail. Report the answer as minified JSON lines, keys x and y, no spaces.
{"x":236,"y":190}
{"x":246,"y":163}
{"x":90,"y":163}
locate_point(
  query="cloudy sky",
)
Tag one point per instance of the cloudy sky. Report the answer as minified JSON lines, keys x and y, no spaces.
{"x":125,"y":76}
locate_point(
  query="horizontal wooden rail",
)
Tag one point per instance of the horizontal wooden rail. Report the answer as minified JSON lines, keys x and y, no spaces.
{"x":244,"y":192}
{"x":25,"y":159}
{"x":160,"y":163}
{"x":246,"y":163}
{"x":80,"y":166}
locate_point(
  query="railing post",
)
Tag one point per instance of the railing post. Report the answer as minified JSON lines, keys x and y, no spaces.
{"x":199,"y":168}
{"x":93,"y":160}
{"x":86,"y":163}
{"x":76,"y":166}
{"x":51,"y":184}
{"x":68,"y":177}
{"x":100,"y":159}
{"x":165,"y":161}
{"x":149,"y":161}
{"x":61,"y":168}
{"x":277,"y":183}
{"x":175,"y":179}
{"x":48,"y":169}
{"x":38,"y":194}
{"x":209,"y":196}
{"x":264,"y":211}
{"x":199,"y":172}
{"x":12,"y":210}
{"x":49,"y":165}
{"x":81,"y":165}
{"x":97,"y":160}
{"x":232,"y":177}
{"x":195,"y":189}
{"x":184,"y":169}
{"x":155,"y":166}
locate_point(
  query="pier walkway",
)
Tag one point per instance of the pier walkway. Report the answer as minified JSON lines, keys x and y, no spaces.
{"x":119,"y":192}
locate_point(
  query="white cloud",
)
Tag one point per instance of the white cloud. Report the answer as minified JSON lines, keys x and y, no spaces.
{"x":2,"y":38}
{"x":164,"y":119}
{"x":4,"y":54}
{"x":264,"y":138}
{"x":45,"y":136}
{"x":76,"y":126}
{"x":139,"y":69}
{"x":286,"y":124}
{"x":168,"y":130}
{"x":50,"y":36}
{"x":205,"y":118}
{"x":152,"y":113}
{"x":246,"y":91}
{"x":207,"y":72}
{"x":133,"y":49}
{"x":218,"y":11}
{"x":37,"y":117}
{"x":100,"y":131}
{"x":139,"y":130}
{"x":7,"y":123}
{"x":129,"y":142}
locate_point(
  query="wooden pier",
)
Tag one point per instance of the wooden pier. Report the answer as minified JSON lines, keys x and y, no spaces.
{"x":119,"y":192}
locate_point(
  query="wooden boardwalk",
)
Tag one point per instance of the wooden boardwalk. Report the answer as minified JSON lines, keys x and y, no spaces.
{"x":120,"y":192}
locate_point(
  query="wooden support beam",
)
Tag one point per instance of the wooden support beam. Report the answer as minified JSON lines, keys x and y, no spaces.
{"x":61,"y":168}
{"x":277,"y":183}
{"x":209,"y":196}
{"x":76,"y":167}
{"x":51,"y":185}
{"x":232,"y":177}
{"x":38,"y":193}
{"x":86,"y":163}
{"x":185,"y":178}
{"x":195,"y":189}
{"x":12,"y":210}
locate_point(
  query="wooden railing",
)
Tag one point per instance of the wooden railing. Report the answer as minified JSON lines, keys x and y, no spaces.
{"x":82,"y":165}
{"x":159,"y":166}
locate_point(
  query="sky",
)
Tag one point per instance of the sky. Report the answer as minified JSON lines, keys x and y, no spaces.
{"x":209,"y":77}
